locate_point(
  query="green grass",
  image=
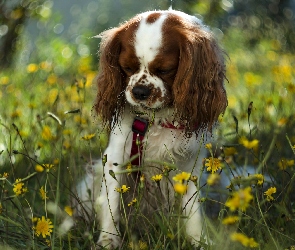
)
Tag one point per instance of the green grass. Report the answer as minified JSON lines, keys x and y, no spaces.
{"x":46,"y":110}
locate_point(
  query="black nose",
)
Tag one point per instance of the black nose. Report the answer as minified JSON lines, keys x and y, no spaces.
{"x":141,"y":92}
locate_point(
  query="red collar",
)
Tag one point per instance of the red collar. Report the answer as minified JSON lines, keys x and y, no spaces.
{"x":139,"y":129}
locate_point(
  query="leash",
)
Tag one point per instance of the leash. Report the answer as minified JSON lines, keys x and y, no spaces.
{"x":139,"y":129}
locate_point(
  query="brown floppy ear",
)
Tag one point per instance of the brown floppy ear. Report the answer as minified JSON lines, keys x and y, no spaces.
{"x":199,"y":94}
{"x":110,"y":80}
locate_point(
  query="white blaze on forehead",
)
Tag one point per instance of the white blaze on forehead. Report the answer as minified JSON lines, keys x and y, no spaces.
{"x":148,"y":39}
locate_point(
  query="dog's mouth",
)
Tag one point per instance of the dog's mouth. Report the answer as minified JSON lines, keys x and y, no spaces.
{"x":139,"y":106}
{"x":143,"y":106}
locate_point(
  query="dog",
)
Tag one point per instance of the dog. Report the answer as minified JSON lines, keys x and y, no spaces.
{"x":160,"y":91}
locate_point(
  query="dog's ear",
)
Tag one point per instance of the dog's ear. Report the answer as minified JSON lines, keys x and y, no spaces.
{"x":199,"y":94}
{"x":110,"y":80}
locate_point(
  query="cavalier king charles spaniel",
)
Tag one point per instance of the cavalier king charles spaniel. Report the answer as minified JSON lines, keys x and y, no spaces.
{"x":160,"y":91}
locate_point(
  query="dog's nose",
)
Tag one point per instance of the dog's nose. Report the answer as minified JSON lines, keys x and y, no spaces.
{"x":141,"y":92}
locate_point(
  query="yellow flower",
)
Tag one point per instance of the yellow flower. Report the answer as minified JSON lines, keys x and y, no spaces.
{"x":79,"y":119}
{"x":43,"y":227}
{"x":284,"y":163}
{"x":66,"y":144}
{"x":170,"y":235}
{"x":240,"y":199}
{"x":122,"y":189}
{"x":166,"y":170}
{"x":252,"y":79}
{"x":32,"y":105}
{"x":88,"y":137}
{"x":194,"y":179}
{"x":208,"y":146}
{"x":5,"y":175}
{"x":142,"y":178}
{"x":132,"y":202}
{"x":23,"y":133}
{"x":260,"y":179}
{"x":45,"y":66}
{"x":269,"y":193}
{"x":34,"y":219}
{"x":213,"y":164}
{"x":230,"y":220}
{"x":43,"y":193}
{"x":16,"y":113}
{"x":244,"y":240}
{"x":282,"y":122}
{"x":252,"y":243}
{"x":157,"y":177}
{"x":39,"y":168}
{"x":141,"y":245}
{"x":249,"y":144}
{"x":68,"y":210}
{"x":213,"y":179}
{"x":31,"y":68}
{"x":184,"y":176}
{"x":52,"y":96}
{"x":46,"y":133}
{"x":67,"y":132}
{"x":4,"y":80}
{"x":48,"y":242}
{"x":228,"y":151}
{"x":18,"y":187}
{"x":56,"y":161}
{"x":180,"y":188}
{"x":129,"y":168}
{"x":48,"y":166}
{"x":51,"y":79}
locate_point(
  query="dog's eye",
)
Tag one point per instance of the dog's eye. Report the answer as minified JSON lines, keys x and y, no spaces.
{"x":128,"y":70}
{"x":164,"y":71}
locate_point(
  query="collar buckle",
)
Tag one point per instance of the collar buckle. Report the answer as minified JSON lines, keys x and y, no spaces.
{"x":140,"y":126}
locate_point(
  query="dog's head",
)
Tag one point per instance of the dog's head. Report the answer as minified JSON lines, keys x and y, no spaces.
{"x":162,"y":59}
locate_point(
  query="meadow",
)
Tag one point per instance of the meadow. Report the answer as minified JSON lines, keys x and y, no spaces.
{"x":49,"y":134}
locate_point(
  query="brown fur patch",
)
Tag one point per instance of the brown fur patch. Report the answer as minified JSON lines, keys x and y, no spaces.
{"x":142,"y":80}
{"x":111,"y":80}
{"x":155,"y":95}
{"x":153,"y":17}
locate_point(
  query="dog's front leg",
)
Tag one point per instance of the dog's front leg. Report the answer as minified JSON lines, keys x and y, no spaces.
{"x":108,"y":208}
{"x":192,"y":210}
{"x":108,"y":202}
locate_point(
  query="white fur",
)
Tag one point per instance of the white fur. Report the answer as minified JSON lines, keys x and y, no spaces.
{"x":148,"y":40}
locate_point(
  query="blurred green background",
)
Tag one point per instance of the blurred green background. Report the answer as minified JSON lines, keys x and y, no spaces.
{"x":23,"y":23}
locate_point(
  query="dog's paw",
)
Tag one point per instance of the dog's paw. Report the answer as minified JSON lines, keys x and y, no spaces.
{"x":108,"y":241}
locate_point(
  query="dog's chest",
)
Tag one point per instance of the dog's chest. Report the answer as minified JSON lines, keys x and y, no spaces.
{"x":162,"y":144}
